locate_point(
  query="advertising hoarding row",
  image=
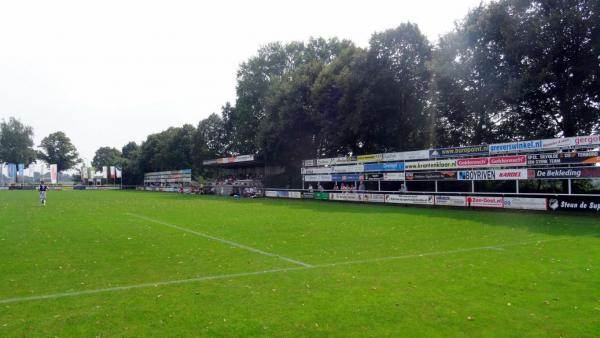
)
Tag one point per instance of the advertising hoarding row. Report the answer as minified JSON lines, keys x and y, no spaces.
{"x":497,"y":148}
{"x":565,"y":203}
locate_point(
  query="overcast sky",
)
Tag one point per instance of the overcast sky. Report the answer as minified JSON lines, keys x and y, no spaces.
{"x":109,"y":72}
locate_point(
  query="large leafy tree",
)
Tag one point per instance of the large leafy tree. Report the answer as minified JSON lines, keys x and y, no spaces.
{"x":516,"y":69}
{"x":258,"y":77}
{"x":339,"y":95}
{"x":168,"y":150}
{"x":16,"y":142}
{"x":131,"y":167}
{"x":290,"y":131}
{"x":107,"y":156}
{"x":57,"y":148}
{"x":560,"y":46}
{"x":394,"y":114}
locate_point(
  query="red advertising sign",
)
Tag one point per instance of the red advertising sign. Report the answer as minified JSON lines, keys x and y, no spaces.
{"x":496,"y":161}
{"x":485,"y":202}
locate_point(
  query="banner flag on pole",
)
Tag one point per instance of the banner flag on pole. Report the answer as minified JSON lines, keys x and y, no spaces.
{"x":104,"y":172}
{"x":21,"y":171}
{"x":112,"y":172}
{"x":119,"y":172}
{"x":53,"y":173}
{"x":12,"y":171}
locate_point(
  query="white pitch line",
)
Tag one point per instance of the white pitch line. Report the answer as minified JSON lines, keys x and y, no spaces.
{"x":238,"y":245}
{"x":144,"y":285}
{"x":263,"y":272}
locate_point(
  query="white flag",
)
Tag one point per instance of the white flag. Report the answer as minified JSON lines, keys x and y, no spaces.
{"x":53,"y":173}
{"x":104,"y":172}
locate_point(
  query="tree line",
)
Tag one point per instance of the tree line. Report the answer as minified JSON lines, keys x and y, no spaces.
{"x":509,"y":70}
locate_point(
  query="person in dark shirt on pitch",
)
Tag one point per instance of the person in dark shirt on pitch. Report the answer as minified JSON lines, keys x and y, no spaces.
{"x":43,"y":188}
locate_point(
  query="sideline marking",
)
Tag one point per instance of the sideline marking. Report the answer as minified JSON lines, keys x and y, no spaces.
{"x":238,"y":245}
{"x":263,"y":272}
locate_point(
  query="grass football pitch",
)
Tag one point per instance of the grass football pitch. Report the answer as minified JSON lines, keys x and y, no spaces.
{"x":135,"y":264}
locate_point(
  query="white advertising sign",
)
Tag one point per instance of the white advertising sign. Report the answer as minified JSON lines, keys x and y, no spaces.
{"x":525,"y":203}
{"x":317,"y":178}
{"x":511,"y":174}
{"x":409,"y":199}
{"x":294,"y":194}
{"x":516,"y":146}
{"x":407,"y":155}
{"x":394,"y":176}
{"x":353,"y":197}
{"x":485,"y":202}
{"x":309,"y":171}
{"x":323,"y":161}
{"x":430,"y":165}
{"x":451,"y":201}
{"x":357,"y":168}
{"x":270,"y":193}
{"x":373,"y":198}
{"x":568,"y":142}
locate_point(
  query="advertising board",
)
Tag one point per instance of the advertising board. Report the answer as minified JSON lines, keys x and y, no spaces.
{"x":409,"y":199}
{"x":321,"y":195}
{"x":560,"y":173}
{"x":394,"y":176}
{"x":317,"y":178}
{"x":373,"y":198}
{"x":369,"y":158}
{"x":406,"y":156}
{"x":583,"y":157}
{"x":451,"y":201}
{"x":351,"y":197}
{"x":490,"y":175}
{"x":347,"y":178}
{"x":431,"y":176}
{"x":574,"y":203}
{"x":485,"y":202}
{"x":309,"y":171}
{"x":515,"y":146}
{"x":459,"y":151}
{"x":270,"y":193}
{"x":525,"y":203}
{"x":357,"y":168}
{"x":430,"y":165}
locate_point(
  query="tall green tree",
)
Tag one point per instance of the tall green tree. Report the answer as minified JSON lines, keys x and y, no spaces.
{"x":107,"y":156}
{"x":170,"y":149}
{"x":518,"y":69}
{"x":290,"y":132}
{"x":394,"y":114}
{"x":16,"y":142}
{"x":57,"y":148}
{"x":131,"y":172}
{"x":339,"y":95}
{"x":258,"y":76}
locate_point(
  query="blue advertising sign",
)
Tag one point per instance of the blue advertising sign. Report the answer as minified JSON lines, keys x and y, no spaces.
{"x":12,"y":170}
{"x":393,"y":166}
{"x":347,"y":178}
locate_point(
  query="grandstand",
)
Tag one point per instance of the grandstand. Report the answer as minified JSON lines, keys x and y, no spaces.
{"x":560,"y":173}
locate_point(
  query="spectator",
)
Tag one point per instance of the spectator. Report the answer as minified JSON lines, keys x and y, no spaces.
{"x":402,"y":187}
